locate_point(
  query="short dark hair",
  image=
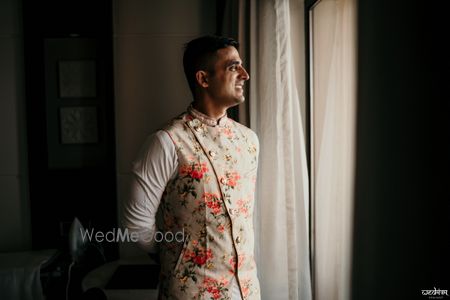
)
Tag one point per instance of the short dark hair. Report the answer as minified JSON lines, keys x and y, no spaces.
{"x":198,"y":55}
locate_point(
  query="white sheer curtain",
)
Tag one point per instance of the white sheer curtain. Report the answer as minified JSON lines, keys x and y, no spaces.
{"x":333,"y":115}
{"x":282,"y":231}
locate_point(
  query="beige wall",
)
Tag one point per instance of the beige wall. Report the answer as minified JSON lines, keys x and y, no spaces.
{"x":14,"y":205}
{"x":150,"y":87}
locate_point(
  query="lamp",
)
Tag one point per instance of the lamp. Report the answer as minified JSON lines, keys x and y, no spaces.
{"x":77,"y":245}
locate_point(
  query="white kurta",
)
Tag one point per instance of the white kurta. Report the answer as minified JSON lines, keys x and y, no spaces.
{"x":154,"y":166}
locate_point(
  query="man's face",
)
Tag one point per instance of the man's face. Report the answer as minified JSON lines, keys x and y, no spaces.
{"x":226,"y":84}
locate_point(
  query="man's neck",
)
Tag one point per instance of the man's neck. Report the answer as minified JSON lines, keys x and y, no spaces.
{"x":207,"y":108}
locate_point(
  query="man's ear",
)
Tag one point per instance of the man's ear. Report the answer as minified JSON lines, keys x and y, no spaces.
{"x":202,"y":78}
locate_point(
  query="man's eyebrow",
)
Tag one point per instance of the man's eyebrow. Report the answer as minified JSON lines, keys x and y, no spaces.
{"x":233,"y":62}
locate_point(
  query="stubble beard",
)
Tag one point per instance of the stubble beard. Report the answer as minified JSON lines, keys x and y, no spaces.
{"x":237,"y":101}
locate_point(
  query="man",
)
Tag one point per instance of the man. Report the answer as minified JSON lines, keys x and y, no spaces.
{"x":197,"y":178}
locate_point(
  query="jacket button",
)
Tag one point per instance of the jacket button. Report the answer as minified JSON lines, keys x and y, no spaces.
{"x":212,"y":153}
{"x":195,"y":123}
{"x":238,"y":239}
{"x":223,"y":180}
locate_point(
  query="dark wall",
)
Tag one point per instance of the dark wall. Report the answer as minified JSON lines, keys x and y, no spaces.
{"x":401,"y":237}
{"x":69,"y":176}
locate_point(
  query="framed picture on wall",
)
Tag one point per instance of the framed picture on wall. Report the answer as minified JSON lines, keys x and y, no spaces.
{"x":78,"y":125}
{"x":77,"y":79}
{"x":75,"y":103}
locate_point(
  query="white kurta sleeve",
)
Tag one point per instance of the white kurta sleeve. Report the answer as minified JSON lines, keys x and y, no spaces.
{"x":155,"y":164}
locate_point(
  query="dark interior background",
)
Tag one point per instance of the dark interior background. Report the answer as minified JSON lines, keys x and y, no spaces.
{"x":68,"y":180}
{"x":401,"y":225}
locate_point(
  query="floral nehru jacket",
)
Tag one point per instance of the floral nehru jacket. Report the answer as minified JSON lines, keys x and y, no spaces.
{"x":211,"y":200}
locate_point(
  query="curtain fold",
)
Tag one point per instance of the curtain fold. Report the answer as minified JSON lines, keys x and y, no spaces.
{"x":271,"y":45}
{"x":333,"y":115}
{"x":282,"y":210}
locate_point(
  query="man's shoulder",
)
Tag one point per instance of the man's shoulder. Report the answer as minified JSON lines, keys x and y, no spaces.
{"x":177,"y":122}
{"x":244,"y":129}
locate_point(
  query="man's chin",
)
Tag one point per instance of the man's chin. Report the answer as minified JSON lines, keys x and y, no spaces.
{"x":236,"y":101}
{"x":240,"y":100}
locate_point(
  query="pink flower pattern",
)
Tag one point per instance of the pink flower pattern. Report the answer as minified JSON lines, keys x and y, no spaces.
{"x":212,"y":190}
{"x":214,"y":288}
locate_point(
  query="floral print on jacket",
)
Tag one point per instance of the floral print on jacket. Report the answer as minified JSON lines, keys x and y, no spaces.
{"x":211,"y":199}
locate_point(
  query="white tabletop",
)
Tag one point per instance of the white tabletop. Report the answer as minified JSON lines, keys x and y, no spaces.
{"x":19,"y":274}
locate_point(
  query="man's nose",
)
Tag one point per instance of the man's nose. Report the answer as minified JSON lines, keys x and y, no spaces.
{"x":243,"y":73}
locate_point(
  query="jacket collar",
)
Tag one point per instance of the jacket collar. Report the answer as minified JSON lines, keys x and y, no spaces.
{"x":207,"y":120}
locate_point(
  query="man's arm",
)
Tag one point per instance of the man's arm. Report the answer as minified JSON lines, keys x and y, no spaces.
{"x":153,"y":168}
